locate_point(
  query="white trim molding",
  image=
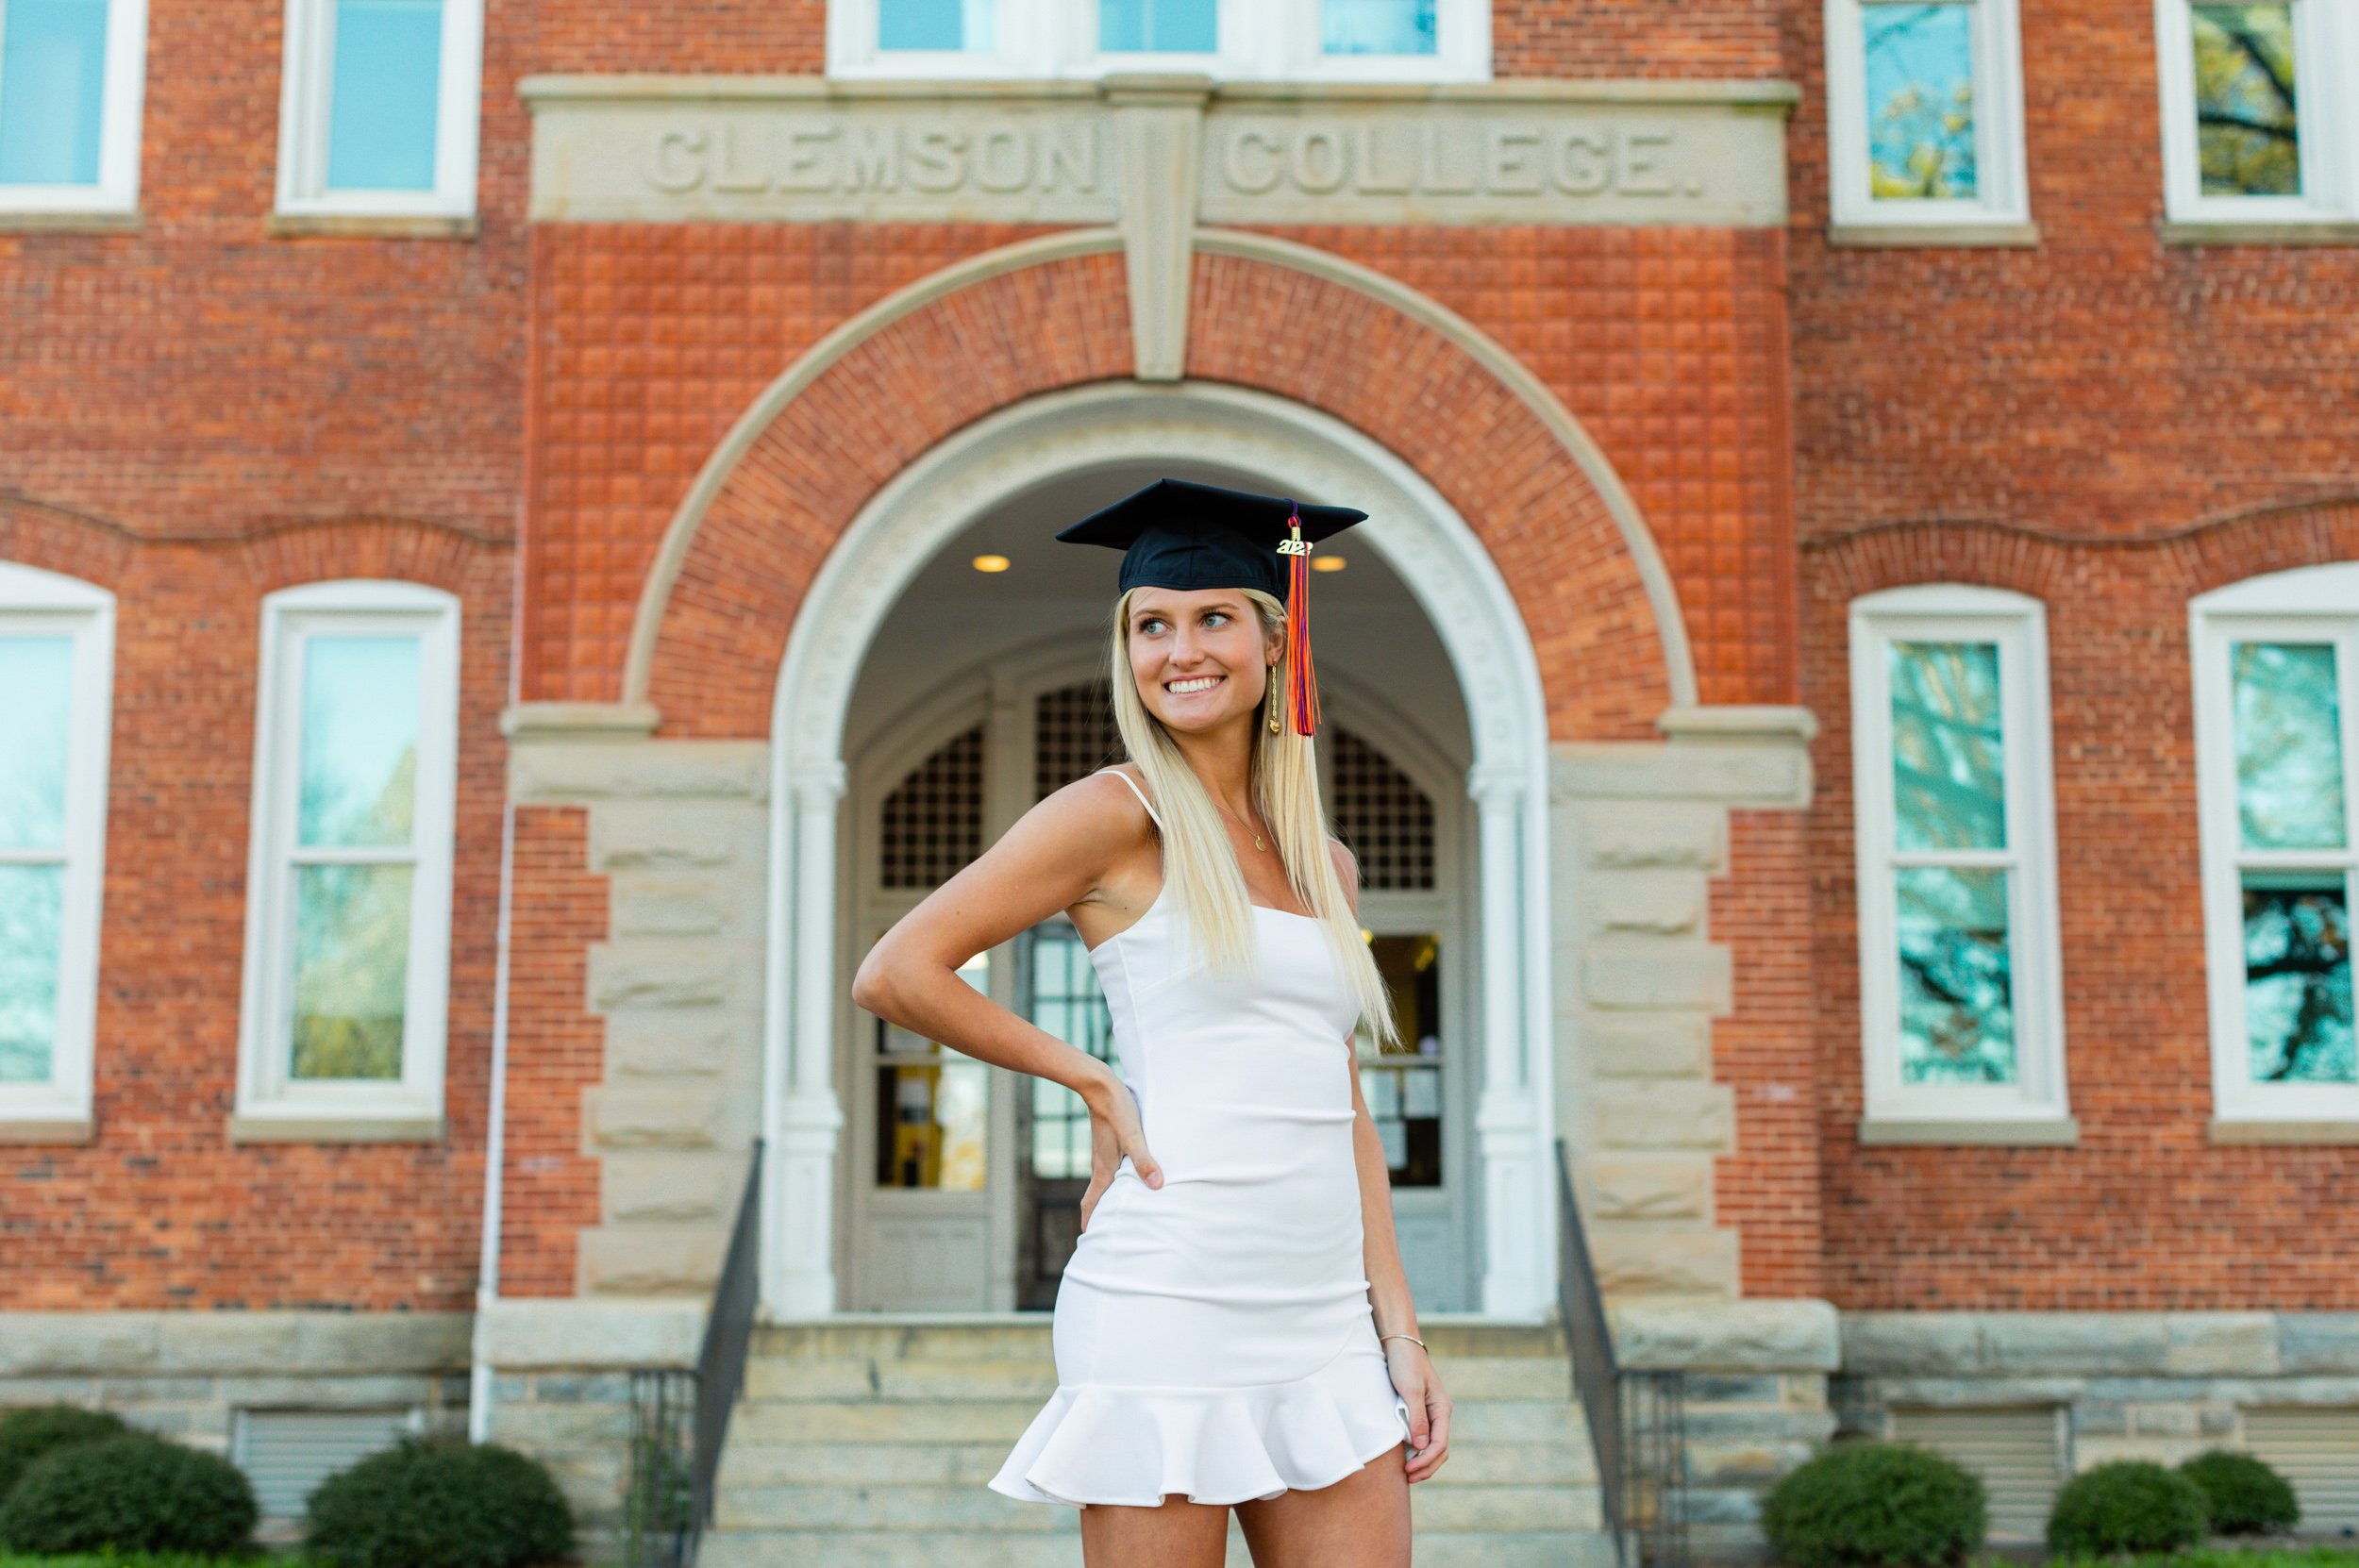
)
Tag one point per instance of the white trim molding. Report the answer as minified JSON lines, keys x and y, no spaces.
{"x":113,"y":193}
{"x":2313,"y":609}
{"x":274,"y":1105}
{"x":2325,"y":87}
{"x":990,"y":463}
{"x":34,"y":604}
{"x":1252,"y":41}
{"x":2018,"y":846}
{"x":306,"y":111}
{"x":1999,"y":212}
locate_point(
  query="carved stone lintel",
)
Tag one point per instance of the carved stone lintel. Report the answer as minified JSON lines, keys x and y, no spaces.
{"x":1157,"y":130}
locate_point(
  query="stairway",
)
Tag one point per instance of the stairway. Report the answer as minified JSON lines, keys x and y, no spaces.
{"x":867,"y":1445}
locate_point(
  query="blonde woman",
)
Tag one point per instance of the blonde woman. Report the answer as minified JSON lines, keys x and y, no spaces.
{"x":1234,"y":1328}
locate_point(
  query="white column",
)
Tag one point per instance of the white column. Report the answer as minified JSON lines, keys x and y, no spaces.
{"x":1507,"y":1119}
{"x":798,"y":1046}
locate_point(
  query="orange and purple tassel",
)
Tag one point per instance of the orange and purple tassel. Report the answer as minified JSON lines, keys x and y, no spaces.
{"x":1302,"y":689}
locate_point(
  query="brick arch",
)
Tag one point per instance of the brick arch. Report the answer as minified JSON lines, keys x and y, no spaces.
{"x":1051,"y":314}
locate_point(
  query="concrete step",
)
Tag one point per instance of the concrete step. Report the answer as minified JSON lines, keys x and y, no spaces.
{"x":1062,"y":1548}
{"x":1473,"y":1462}
{"x":810,"y":1421}
{"x":903,"y":1506}
{"x":946,"y":1337}
{"x":857,"y":1376}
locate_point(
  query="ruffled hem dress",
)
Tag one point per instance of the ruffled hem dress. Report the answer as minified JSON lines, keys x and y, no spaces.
{"x":1213,"y":1337}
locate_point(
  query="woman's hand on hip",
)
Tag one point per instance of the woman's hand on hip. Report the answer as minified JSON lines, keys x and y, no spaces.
{"x":1115,"y":1131}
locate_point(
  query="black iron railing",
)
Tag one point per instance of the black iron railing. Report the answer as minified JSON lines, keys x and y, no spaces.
{"x":1637,"y":1420}
{"x":680,"y":1418}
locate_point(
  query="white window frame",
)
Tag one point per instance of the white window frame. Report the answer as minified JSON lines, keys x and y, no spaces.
{"x":2002,"y":187}
{"x":2315,"y":603}
{"x":124,"y":87}
{"x":306,"y":77}
{"x":1261,"y":40}
{"x":48,"y":603}
{"x":2326,"y":52}
{"x":271,"y":1103}
{"x":2017,"y":622}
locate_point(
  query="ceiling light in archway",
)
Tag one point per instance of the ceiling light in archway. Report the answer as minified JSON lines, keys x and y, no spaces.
{"x":1327,"y":563}
{"x":990,"y":563}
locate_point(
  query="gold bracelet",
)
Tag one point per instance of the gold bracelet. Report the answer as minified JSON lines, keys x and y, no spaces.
{"x":1411,"y":1338}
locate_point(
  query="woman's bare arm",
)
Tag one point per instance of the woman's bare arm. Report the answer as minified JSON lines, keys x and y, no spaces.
{"x":1059,"y":854}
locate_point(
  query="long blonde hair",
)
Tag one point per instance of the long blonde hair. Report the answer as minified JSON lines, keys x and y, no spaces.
{"x":1200,"y":867}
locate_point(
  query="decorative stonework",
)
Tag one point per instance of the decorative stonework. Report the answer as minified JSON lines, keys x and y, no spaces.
{"x":804,"y":149}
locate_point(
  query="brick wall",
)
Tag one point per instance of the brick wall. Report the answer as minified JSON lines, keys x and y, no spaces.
{"x":2112,"y":425}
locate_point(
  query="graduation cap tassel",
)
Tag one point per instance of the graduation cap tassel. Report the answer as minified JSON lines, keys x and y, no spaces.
{"x":1302,"y":688}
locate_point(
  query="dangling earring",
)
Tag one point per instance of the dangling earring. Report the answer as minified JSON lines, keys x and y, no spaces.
{"x":1272,"y":698}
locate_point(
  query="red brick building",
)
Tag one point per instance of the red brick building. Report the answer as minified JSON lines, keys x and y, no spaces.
{"x":523,"y":548}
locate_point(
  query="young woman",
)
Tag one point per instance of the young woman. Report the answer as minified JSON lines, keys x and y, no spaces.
{"x":1234,"y":1328}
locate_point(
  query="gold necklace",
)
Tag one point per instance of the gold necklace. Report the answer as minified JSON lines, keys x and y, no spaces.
{"x":1240,"y":822}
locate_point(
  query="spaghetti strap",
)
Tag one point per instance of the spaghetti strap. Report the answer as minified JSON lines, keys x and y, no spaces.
{"x":1136,"y":790}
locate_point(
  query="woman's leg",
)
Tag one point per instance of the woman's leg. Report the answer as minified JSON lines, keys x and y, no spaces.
{"x":1179,"y":1534}
{"x":1360,"y":1521}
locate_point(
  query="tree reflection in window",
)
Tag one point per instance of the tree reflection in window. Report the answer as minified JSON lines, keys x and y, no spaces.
{"x":1920,"y":100}
{"x":2247,"y":125}
{"x":2296,"y":951}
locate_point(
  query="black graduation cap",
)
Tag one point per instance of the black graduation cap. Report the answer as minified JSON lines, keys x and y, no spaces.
{"x":1175,"y":533}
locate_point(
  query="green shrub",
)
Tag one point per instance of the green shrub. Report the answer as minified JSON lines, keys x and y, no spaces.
{"x":2127,"y":1505}
{"x":136,"y":1492}
{"x":2243,"y":1495}
{"x":436,"y":1503}
{"x":1875,"y":1503}
{"x":27,"y":1433}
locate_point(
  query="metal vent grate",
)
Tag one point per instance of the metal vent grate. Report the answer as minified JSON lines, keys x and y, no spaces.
{"x":1387,"y":821}
{"x":1074,"y":733}
{"x":2014,"y":1451}
{"x":2316,"y":1449}
{"x":287,"y":1454}
{"x":934,"y":819}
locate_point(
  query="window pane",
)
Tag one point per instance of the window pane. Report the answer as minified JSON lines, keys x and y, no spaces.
{"x":53,"y":61}
{"x":385,"y":94}
{"x":931,"y":1126}
{"x":1920,"y":100}
{"x":1957,"y":1015}
{"x":2245,"y":116}
{"x":1378,"y":26}
{"x":32,"y":900}
{"x":934,"y":24}
{"x":2297,"y":988}
{"x":1948,"y":763}
{"x":1066,"y":1002}
{"x":359,"y":741}
{"x":352,"y":970}
{"x":37,"y":673}
{"x":1403,"y":1089}
{"x":1167,"y":25}
{"x":2289,"y":746}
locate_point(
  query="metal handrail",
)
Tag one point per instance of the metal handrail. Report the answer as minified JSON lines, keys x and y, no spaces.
{"x":1637,"y":1420}
{"x":680,"y":1418}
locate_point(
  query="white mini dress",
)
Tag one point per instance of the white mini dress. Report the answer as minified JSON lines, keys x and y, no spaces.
{"x":1214,"y":1336}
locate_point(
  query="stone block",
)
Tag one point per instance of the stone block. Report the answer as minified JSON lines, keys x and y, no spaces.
{"x":1643,"y":972}
{"x":2232,"y":1343}
{"x":618,"y":1259}
{"x":1737,"y":1462}
{"x":671,"y":836}
{"x":2051,"y":1342}
{"x":670,"y":1186}
{"x":1915,"y":1344}
{"x":656,"y":973}
{"x":675,"y":905}
{"x":520,"y":1336}
{"x":1739,"y":1336}
{"x":1651,"y":903}
{"x":1694,"y":1261}
{"x":1625,"y":1187}
{"x":1662,"y":1113}
{"x":679,"y":1044}
{"x":577,"y":771}
{"x":1651,"y":835}
{"x":2311,"y":1343}
{"x":2162,"y":1419}
{"x":1645,"y":1045}
{"x":644,"y":1115}
{"x":1762,"y":771}
{"x":50,"y":1343}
